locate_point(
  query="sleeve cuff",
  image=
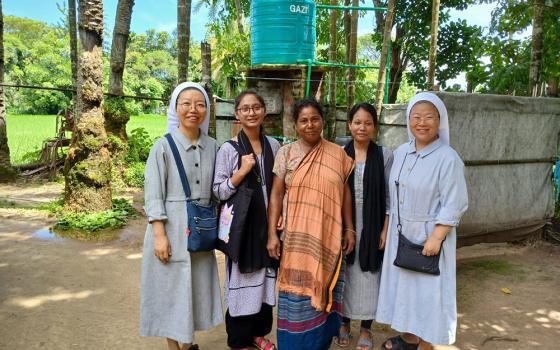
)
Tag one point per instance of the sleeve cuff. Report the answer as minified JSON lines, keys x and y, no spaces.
{"x":230,"y":185}
{"x":155,"y":210}
{"x":448,"y":216}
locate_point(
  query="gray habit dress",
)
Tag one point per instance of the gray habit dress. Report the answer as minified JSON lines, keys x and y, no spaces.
{"x":432,"y":191}
{"x":183,"y":295}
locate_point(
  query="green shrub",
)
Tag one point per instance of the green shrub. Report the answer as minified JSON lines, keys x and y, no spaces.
{"x":139,"y":145}
{"x":31,"y":157}
{"x":114,"y":218}
{"x":55,"y":207}
{"x":134,"y":174}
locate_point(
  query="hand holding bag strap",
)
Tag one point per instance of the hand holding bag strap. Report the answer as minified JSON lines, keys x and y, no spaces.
{"x":180,"y":167}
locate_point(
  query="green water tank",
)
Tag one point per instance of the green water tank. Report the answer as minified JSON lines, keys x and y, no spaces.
{"x":282,"y":31}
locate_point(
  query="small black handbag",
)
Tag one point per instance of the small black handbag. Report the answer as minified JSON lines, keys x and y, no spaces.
{"x":202,"y":230}
{"x":409,"y":254}
{"x":233,"y":214}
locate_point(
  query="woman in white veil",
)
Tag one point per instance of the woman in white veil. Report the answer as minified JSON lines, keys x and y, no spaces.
{"x":428,"y":196}
{"x":180,"y":291}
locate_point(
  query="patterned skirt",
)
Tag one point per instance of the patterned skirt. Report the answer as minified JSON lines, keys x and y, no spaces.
{"x":301,"y":326}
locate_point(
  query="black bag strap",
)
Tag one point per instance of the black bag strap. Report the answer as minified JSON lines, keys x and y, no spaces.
{"x":179,"y":162}
{"x":399,"y":226}
{"x":240,"y":151}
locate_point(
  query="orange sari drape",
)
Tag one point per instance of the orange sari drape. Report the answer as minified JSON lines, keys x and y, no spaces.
{"x":312,"y":254}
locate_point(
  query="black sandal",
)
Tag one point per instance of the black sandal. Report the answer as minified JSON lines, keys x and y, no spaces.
{"x":194,"y":347}
{"x":398,"y":343}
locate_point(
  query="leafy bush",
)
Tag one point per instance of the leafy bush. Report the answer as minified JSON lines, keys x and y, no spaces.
{"x":134,"y":174}
{"x":114,"y":218}
{"x":31,"y":156}
{"x":139,"y":145}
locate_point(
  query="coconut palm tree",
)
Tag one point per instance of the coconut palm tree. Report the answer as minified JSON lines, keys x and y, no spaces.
{"x":537,"y":47}
{"x":87,"y":170}
{"x":433,"y":45}
{"x":73,"y":40}
{"x":116,"y":116}
{"x":384,"y":50}
{"x":183,"y":38}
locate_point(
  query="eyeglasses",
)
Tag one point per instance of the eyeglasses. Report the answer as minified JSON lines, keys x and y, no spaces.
{"x":198,"y":106}
{"x":428,"y":119}
{"x":246,"y":110}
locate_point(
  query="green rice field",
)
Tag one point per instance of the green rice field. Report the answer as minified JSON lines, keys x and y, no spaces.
{"x":26,"y":133}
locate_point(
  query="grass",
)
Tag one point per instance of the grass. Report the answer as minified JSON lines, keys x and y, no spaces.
{"x":471,"y":276}
{"x":26,"y":133}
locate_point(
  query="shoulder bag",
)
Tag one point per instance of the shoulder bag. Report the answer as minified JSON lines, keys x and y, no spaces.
{"x":409,"y":254}
{"x":233,"y":214}
{"x":202,"y":230}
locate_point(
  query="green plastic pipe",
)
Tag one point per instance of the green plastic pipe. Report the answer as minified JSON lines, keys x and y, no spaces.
{"x":339,"y":7}
{"x":310,"y":63}
{"x":308,"y":85}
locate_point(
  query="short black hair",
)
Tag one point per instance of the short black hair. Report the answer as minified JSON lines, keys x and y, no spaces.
{"x":368,"y":107}
{"x":308,"y":102}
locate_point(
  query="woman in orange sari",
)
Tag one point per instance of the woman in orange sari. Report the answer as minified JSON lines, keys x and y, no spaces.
{"x":311,"y":194}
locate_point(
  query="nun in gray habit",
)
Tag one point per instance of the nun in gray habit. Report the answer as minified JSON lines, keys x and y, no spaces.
{"x":432,"y":198}
{"x":180,"y":291}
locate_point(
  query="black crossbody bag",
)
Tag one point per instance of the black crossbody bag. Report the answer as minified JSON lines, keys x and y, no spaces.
{"x":409,"y":254}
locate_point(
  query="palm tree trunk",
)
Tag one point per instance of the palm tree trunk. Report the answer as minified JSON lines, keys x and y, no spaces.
{"x":88,"y":165}
{"x":73,"y":34}
{"x":381,"y":77}
{"x":116,"y":113}
{"x":239,"y":10}
{"x":346,"y":19}
{"x":469,"y":86}
{"x":206,"y":61}
{"x":433,"y":45}
{"x":184,"y":38}
{"x":351,"y":77}
{"x":331,"y":118}
{"x":7,"y":173}
{"x":73,"y":40}
{"x":537,"y":47}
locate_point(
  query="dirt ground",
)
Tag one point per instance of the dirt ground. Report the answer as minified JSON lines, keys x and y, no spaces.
{"x":58,"y":293}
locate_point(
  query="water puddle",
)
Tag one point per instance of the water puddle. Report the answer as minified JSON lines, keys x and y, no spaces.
{"x":46,"y":234}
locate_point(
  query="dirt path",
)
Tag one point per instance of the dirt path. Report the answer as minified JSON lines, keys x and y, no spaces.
{"x":64,"y":294}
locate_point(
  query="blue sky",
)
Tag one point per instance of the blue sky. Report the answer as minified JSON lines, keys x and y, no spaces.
{"x":162,"y":15}
{"x":146,"y":14}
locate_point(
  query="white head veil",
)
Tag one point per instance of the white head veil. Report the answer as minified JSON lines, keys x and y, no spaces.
{"x":173,"y":120}
{"x":440,"y":106}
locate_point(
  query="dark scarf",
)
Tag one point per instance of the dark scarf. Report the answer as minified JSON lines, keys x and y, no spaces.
{"x":255,"y":233}
{"x":373,"y":209}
